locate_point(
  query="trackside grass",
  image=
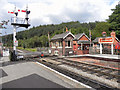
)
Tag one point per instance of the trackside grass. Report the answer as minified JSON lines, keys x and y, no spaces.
{"x":28,"y":49}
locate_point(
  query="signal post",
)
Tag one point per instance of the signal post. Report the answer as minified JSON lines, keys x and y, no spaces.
{"x":16,"y":24}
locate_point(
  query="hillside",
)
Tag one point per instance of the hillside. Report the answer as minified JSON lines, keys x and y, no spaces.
{"x":37,"y":36}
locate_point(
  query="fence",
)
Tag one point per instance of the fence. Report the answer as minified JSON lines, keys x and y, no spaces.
{"x":106,"y":49}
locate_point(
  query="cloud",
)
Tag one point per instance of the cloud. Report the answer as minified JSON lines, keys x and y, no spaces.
{"x":58,"y":11}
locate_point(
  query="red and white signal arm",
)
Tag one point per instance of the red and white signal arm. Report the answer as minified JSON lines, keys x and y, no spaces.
{"x":106,"y":40}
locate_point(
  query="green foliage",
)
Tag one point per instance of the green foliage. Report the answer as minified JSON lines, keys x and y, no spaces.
{"x":114,"y":20}
{"x":37,"y":36}
{"x":100,"y":27}
{"x":28,"y":49}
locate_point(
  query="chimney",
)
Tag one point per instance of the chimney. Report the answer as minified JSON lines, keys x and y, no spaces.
{"x":113,"y":34}
{"x":66,"y":29}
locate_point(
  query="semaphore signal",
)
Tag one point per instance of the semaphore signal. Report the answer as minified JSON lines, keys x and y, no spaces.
{"x":11,"y":12}
{"x":17,"y":22}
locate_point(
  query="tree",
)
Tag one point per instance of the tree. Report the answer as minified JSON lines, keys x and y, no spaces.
{"x":100,"y":27}
{"x":114,"y":20}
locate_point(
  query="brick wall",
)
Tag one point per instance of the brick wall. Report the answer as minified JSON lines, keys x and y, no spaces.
{"x":63,"y":51}
{"x":83,"y":38}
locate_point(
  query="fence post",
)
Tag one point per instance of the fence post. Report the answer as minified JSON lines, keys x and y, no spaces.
{"x":100,"y":48}
{"x":112,"y":48}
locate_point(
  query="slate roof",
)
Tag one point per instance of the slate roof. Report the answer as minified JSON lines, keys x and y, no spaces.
{"x":95,"y":40}
{"x":78,"y":35}
{"x":59,"y":36}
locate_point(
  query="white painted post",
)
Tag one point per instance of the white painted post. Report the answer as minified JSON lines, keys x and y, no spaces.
{"x":112,"y":49}
{"x":26,"y":18}
{"x":100,"y":48}
{"x":14,"y":32}
{"x":14,"y":38}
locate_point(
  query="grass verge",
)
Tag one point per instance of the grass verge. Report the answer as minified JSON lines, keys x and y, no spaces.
{"x":28,"y":49}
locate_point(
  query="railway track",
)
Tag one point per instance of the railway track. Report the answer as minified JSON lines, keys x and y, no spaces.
{"x":109,"y":72}
{"x":106,"y":73}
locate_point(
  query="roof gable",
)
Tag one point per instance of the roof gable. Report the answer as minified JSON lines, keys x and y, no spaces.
{"x":62,"y":36}
{"x":68,"y":34}
{"x":78,"y":36}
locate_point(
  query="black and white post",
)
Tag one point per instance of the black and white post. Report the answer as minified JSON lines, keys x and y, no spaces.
{"x":14,"y":32}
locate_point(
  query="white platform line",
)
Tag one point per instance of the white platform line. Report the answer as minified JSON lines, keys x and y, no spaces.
{"x":65,"y":76}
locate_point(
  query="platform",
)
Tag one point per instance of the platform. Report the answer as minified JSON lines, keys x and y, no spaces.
{"x":29,"y":74}
{"x":99,"y":55}
{"x":109,"y":61}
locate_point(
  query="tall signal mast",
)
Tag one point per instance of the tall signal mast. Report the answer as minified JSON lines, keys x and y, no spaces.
{"x":18,"y":22}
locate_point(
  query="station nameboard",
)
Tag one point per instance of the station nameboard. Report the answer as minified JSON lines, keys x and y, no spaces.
{"x":105,"y":40}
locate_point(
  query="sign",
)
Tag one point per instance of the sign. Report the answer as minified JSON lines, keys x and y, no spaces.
{"x":16,"y":43}
{"x":105,"y":40}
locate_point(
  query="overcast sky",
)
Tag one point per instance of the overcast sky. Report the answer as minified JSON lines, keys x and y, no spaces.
{"x":57,"y":11}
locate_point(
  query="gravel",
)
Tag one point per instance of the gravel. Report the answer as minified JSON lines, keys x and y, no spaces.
{"x":102,"y":79}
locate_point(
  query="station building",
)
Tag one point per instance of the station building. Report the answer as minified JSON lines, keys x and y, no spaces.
{"x":69,"y":44}
{"x":62,"y":44}
{"x":81,"y":44}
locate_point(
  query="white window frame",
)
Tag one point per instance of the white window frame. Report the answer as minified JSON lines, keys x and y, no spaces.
{"x":53,"y":46}
{"x":67,"y":44}
{"x":59,"y":42}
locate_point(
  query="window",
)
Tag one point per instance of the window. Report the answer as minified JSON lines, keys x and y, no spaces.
{"x":53,"y":44}
{"x":68,"y":44}
{"x":57,"y":44}
{"x":60,"y":43}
